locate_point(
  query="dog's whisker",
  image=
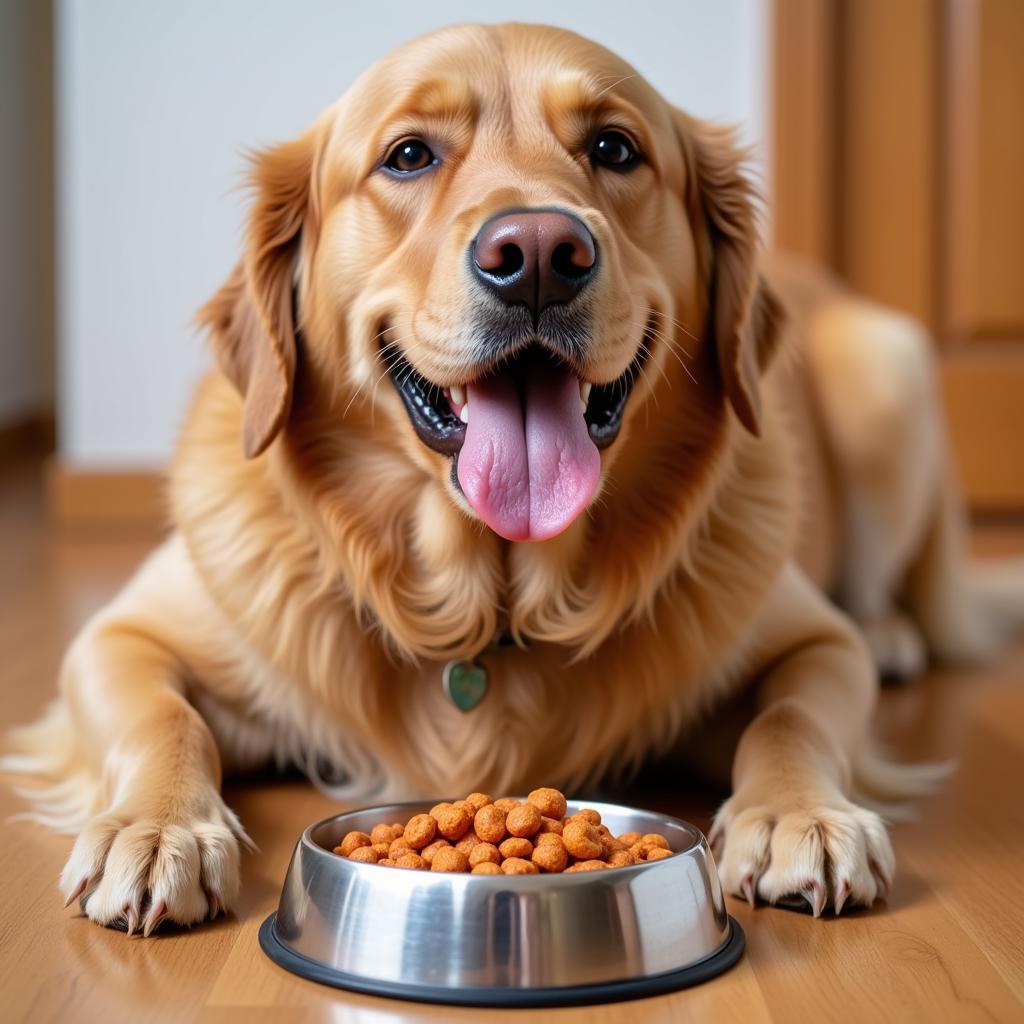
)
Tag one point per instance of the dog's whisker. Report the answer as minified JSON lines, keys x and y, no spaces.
{"x":671,"y":345}
{"x":665,"y":337}
{"x":675,"y":347}
{"x":676,"y":323}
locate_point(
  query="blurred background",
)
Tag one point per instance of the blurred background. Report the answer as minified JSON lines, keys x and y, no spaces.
{"x":889,"y":138}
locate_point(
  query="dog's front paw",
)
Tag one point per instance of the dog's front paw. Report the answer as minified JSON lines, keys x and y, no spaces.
{"x":132,"y":870}
{"x":829,"y":851}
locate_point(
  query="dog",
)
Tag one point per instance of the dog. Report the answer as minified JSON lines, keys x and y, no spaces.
{"x":504,"y":386}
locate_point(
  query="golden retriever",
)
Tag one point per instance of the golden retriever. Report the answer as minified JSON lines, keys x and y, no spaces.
{"x":500,"y":377}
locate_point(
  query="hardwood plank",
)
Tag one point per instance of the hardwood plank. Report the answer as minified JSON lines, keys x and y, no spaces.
{"x":907,"y":960}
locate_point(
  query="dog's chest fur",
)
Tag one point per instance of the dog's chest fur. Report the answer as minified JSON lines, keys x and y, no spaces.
{"x":617,"y":666}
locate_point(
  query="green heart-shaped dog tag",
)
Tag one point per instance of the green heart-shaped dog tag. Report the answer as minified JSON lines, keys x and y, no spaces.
{"x":465,"y":682}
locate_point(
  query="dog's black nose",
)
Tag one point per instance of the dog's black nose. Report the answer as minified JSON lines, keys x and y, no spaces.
{"x":534,"y":258}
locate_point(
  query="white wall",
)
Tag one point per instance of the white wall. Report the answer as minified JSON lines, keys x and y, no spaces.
{"x":26,"y":215}
{"x":156,"y":102}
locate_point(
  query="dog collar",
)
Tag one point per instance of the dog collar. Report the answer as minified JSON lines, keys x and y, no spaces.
{"x":465,"y":679}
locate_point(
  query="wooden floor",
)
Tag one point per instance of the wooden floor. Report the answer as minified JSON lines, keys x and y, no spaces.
{"x":948,"y":945}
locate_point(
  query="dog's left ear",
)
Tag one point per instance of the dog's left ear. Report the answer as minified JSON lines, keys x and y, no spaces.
{"x":746,"y":315}
{"x":251,"y":318}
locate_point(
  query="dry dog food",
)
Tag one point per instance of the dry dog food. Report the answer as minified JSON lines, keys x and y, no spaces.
{"x":506,"y":836}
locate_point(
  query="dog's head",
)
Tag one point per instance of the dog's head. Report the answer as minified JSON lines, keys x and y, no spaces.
{"x":510,"y":249}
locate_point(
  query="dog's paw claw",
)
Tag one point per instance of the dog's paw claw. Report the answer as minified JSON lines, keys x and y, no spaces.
{"x":842,"y":894}
{"x":78,"y":890}
{"x":131,"y":916}
{"x":156,"y":914}
{"x":747,"y":890}
{"x":814,"y":893}
{"x":216,"y":907}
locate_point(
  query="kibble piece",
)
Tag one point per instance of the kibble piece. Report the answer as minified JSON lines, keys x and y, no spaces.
{"x":629,"y":838}
{"x":452,"y":822}
{"x":587,"y":865}
{"x":386,"y":862}
{"x":385,"y":833}
{"x":352,"y":842}
{"x":420,"y":831}
{"x":548,"y":837}
{"x":587,"y":814}
{"x":506,"y":803}
{"x":485,"y":867}
{"x":484,"y":853}
{"x":523,"y":820}
{"x":552,"y":825}
{"x":549,"y":802}
{"x":412,"y":860}
{"x":449,"y":859}
{"x":478,"y":800}
{"x":518,"y":866}
{"x":428,"y":851}
{"x":516,"y":846}
{"x":383,"y":849}
{"x":620,"y":859}
{"x":466,"y":806}
{"x":467,"y":842}
{"x":398,"y":847}
{"x":550,"y":857}
{"x":608,"y":843}
{"x":582,"y":840}
{"x":489,"y":823}
{"x":657,"y":853}
{"x":365,"y":854}
{"x":654,"y":840}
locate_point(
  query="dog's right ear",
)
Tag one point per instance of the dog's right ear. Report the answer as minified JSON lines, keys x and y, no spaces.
{"x":251,"y":317}
{"x":746,"y":315}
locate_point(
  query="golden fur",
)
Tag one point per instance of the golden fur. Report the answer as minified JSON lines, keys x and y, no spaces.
{"x":322,"y":568}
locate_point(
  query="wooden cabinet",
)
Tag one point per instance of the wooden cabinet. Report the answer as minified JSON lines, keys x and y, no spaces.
{"x":898,"y":159}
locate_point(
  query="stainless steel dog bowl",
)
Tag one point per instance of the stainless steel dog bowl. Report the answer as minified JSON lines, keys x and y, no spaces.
{"x":498,"y":940}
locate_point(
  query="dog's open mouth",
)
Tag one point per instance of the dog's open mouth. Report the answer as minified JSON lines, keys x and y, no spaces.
{"x":525,"y":436}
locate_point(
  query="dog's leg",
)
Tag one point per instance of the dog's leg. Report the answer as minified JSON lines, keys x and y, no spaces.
{"x":159,"y":843}
{"x":872,"y":374}
{"x":789,"y":828}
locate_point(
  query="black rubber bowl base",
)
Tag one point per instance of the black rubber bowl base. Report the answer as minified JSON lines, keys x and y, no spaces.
{"x":578,"y":995}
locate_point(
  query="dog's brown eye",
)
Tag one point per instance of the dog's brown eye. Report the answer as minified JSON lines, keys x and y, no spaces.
{"x":409,"y":155}
{"x":614,"y":149}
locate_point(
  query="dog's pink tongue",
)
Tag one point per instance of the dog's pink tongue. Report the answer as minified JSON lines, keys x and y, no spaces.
{"x":528,"y":466}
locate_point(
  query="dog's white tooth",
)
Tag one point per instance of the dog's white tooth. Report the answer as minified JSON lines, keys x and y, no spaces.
{"x":585,"y":392}
{"x":583,"y":405}
{"x":464,"y":413}
{"x":458,"y":395}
